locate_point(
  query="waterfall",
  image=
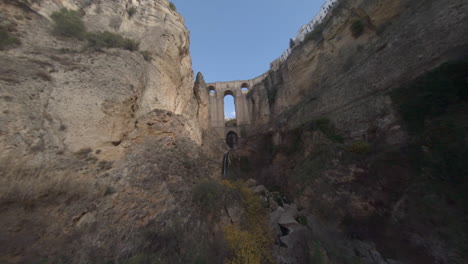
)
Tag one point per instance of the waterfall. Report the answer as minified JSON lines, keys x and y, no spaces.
{"x":225,"y":163}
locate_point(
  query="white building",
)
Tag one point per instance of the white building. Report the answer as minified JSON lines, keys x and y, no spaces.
{"x":317,"y":20}
{"x":324,"y":11}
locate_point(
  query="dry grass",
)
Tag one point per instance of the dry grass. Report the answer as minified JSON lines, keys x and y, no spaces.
{"x":25,"y":185}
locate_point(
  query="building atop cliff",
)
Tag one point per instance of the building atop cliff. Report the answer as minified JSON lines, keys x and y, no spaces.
{"x":300,"y":36}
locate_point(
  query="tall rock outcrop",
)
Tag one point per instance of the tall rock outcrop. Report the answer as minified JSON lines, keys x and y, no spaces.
{"x":60,"y":96}
{"x":201,"y":93}
{"x":101,"y":146}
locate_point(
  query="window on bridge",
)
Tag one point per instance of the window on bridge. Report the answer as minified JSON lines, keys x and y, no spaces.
{"x":230,"y":109}
{"x":245,"y":88}
{"x":212,"y":90}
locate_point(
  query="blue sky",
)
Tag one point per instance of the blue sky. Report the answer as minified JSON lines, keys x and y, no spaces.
{"x":237,"y":40}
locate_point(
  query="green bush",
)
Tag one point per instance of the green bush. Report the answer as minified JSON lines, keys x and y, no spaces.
{"x":131,"y":11}
{"x":325,"y":126}
{"x":172,"y":6}
{"x":316,"y":33}
{"x":360,"y":147}
{"x":250,"y":242}
{"x":108,"y":39}
{"x":68,"y":23}
{"x":302,"y":220}
{"x":357,"y":28}
{"x":146,"y":55}
{"x":209,"y":195}
{"x":7,"y":40}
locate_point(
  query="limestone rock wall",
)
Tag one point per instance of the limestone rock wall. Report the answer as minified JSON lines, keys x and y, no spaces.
{"x":347,"y":78}
{"x":201,"y":93}
{"x":58,"y":96}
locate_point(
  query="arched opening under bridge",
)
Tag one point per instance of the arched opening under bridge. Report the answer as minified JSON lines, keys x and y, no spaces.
{"x":231,"y":139}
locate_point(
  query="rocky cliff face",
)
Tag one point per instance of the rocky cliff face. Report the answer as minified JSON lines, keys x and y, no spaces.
{"x":347,"y":78}
{"x":100,"y":146}
{"x":360,"y":136}
{"x":59,"y":96}
{"x":348,"y":134}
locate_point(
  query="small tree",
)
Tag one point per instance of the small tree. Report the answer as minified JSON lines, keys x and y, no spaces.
{"x":108,"y":39}
{"x":7,"y":40}
{"x":131,"y":11}
{"x":172,"y":6}
{"x":357,"y":28}
{"x":69,"y":23}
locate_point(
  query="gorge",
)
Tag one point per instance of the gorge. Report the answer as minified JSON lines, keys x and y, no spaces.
{"x":351,"y":148}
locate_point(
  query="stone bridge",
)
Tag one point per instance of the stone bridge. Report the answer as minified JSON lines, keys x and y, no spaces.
{"x":239,"y":90}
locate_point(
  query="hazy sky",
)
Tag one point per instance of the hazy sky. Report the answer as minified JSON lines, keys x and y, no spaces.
{"x":237,"y":40}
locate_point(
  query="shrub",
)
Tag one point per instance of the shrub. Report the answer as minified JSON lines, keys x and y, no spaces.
{"x":211,"y":196}
{"x":325,"y":126}
{"x":360,"y":147}
{"x":68,"y":23}
{"x":7,"y":40}
{"x":231,"y":123}
{"x":172,"y":6}
{"x":108,"y":39}
{"x":357,"y":28}
{"x":318,"y":254}
{"x":251,"y":242}
{"x":302,"y":220}
{"x":146,"y":55}
{"x":131,"y":11}
{"x":316,"y":33}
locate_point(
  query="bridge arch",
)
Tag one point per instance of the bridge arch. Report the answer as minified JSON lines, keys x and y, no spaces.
{"x":230,"y":109}
{"x":211,"y":90}
{"x":245,"y":87}
{"x":229,"y":92}
{"x":237,"y":89}
{"x":232,"y":139}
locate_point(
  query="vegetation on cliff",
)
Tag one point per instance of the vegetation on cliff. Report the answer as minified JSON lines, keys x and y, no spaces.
{"x":172,"y":6}
{"x":250,"y":240}
{"x":69,"y":23}
{"x":7,"y":39}
{"x":434,"y":111}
